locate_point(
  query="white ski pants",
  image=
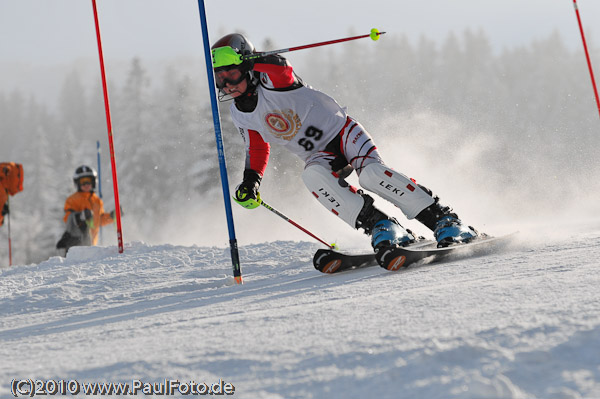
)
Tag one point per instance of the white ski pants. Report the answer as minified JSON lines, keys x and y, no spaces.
{"x":361,"y":153}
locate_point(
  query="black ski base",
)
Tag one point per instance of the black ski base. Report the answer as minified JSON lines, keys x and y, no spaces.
{"x":396,"y":258}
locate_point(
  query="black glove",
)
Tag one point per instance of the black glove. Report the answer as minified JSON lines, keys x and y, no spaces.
{"x":82,"y":217}
{"x":87,"y":214}
{"x":113,"y":214}
{"x":5,"y":209}
{"x":246,"y":194}
{"x":248,"y":188}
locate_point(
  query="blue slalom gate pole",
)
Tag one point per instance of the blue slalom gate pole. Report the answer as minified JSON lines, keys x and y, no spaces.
{"x":99,"y":181}
{"x":99,"y":170}
{"x":235,"y":257}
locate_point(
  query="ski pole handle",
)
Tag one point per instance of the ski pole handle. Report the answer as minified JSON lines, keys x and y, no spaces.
{"x":374,"y":35}
{"x":287,"y":219}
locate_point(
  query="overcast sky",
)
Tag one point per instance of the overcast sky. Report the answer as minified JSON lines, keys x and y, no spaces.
{"x":56,"y":31}
{"x":41,"y":39}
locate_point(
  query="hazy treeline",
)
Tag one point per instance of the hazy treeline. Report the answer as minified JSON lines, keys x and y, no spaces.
{"x":534,"y":102}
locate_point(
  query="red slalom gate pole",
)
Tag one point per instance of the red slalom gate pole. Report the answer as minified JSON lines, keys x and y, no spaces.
{"x":110,"y":134}
{"x":587,"y":55}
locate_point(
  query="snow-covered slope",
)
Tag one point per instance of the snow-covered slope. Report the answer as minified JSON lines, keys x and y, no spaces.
{"x":521,"y":324}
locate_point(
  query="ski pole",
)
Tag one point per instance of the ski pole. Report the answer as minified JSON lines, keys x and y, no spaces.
{"x":9,"y":238}
{"x":587,"y":55}
{"x":281,"y":215}
{"x":373,"y":35}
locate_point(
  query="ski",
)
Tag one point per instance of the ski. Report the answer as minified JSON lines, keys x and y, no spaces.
{"x":330,"y":261}
{"x":396,"y":258}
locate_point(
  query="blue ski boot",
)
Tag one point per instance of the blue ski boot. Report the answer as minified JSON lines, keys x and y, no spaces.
{"x":384,"y":230}
{"x":445,"y":224}
{"x":388,"y":232}
{"x":449,"y":230}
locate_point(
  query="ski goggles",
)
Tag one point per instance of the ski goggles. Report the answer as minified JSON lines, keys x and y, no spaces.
{"x":85,"y":180}
{"x":231,"y":76}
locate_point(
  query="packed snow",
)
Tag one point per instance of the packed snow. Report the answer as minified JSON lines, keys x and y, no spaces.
{"x":522,"y":323}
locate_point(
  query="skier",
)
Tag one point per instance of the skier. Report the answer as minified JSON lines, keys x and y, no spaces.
{"x":84,"y":212}
{"x":271,"y":104}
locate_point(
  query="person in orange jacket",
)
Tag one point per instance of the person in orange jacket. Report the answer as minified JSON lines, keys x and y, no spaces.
{"x":11,"y":182}
{"x":84,"y":211}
